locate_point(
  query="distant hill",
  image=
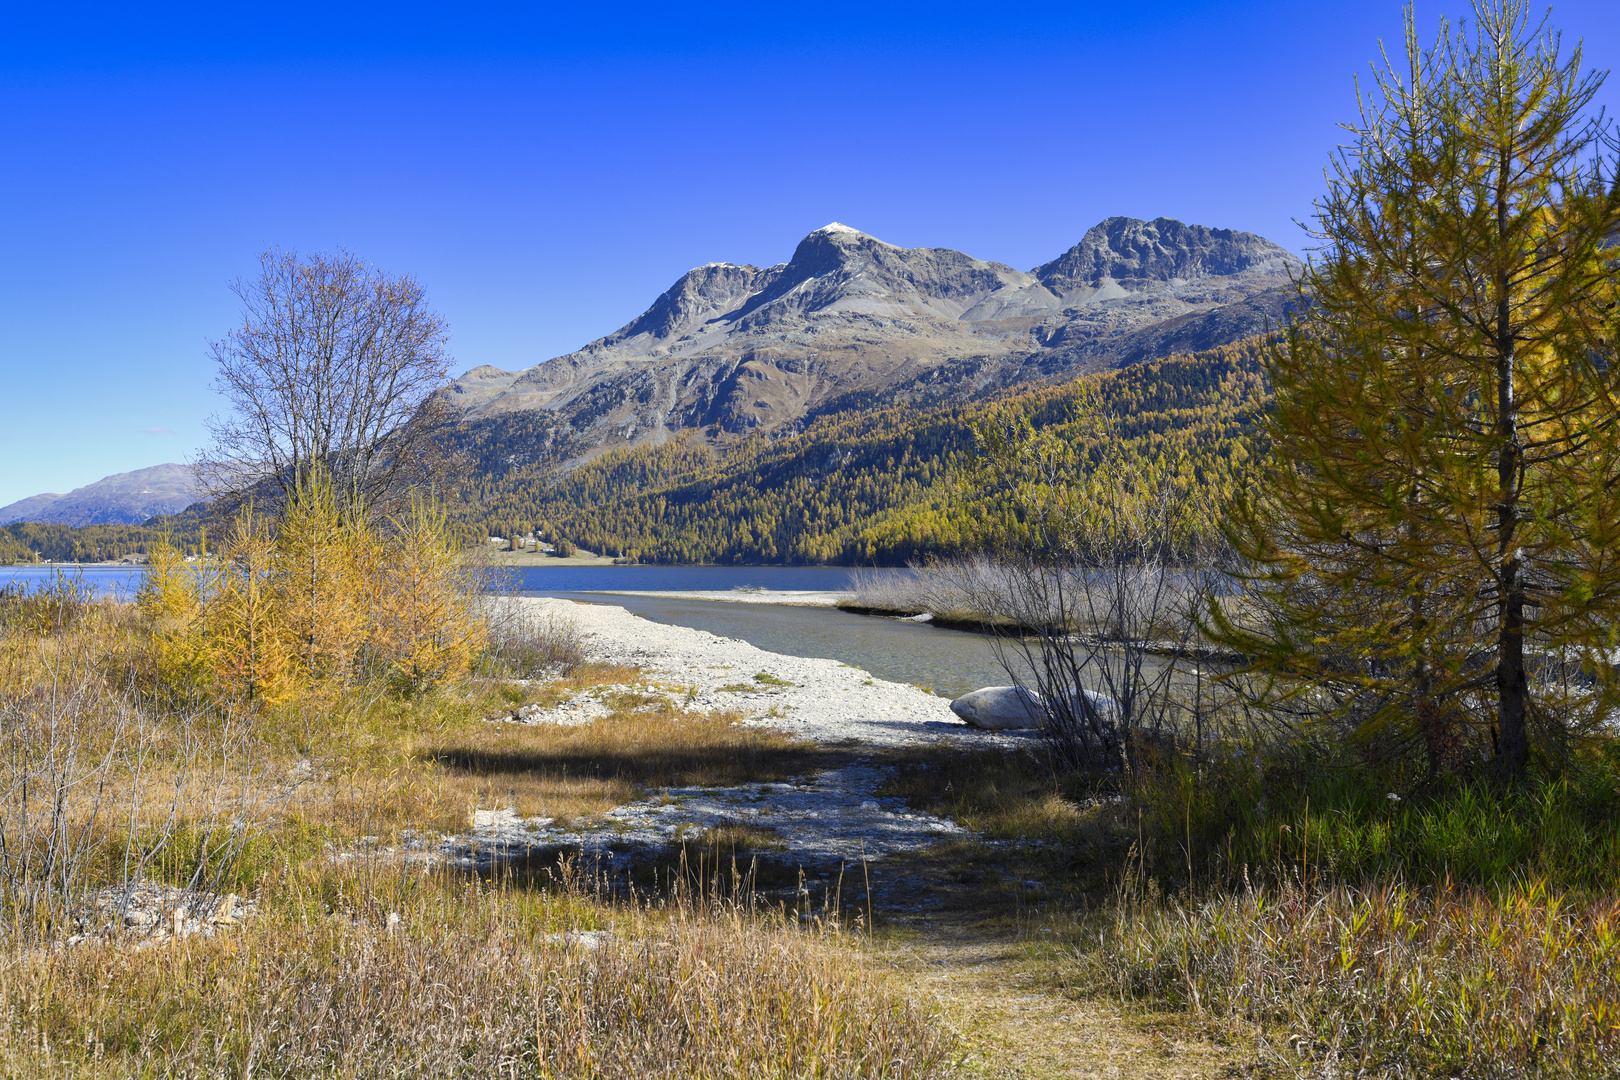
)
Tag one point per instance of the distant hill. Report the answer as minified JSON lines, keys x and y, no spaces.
{"x":30,"y":509}
{"x":849,"y":322}
{"x":121,"y":499}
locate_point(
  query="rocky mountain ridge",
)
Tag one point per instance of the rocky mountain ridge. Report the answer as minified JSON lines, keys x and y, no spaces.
{"x":735,"y":348}
{"x":121,"y":499}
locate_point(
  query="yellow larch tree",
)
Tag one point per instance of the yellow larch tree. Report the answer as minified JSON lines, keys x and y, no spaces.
{"x":426,"y":622}
{"x":252,"y":648}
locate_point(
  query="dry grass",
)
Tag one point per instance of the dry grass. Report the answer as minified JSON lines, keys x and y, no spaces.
{"x":524,"y":647}
{"x":484,"y":981}
{"x":384,"y":766}
{"x":465,"y":979}
{"x":577,"y":772}
{"x":1382,"y":978}
{"x":997,"y":989}
{"x":470,"y":981}
{"x":101,"y":781}
{"x":1001,"y":795}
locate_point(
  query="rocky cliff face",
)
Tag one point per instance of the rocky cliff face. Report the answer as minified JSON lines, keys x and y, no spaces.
{"x":1127,"y":256}
{"x":850,"y":318}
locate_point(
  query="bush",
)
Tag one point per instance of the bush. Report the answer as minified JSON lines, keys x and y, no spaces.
{"x":523,"y":647}
{"x":318,"y":598}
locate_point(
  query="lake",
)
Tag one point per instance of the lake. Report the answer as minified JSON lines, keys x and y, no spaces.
{"x":117,"y":582}
{"x":948,"y":661}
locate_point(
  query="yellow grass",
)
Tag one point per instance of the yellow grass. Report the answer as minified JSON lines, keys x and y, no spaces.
{"x":377,"y":966}
{"x":378,"y":974}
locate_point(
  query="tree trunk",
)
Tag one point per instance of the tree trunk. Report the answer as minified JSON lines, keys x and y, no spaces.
{"x":1512,"y":684}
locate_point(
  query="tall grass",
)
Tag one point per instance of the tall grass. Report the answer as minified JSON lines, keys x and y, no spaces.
{"x":392,"y":974}
{"x":47,"y":607}
{"x":362,"y":964}
{"x":969,"y":591}
{"x":522,"y":645}
{"x":1466,"y":931}
{"x":1383,"y":978}
{"x":1247,"y":816}
{"x":100,"y":783}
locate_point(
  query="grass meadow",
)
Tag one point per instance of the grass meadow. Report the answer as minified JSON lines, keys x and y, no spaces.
{"x":1257,"y":916}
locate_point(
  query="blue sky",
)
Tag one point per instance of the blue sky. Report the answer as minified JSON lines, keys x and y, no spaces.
{"x":546,"y":170}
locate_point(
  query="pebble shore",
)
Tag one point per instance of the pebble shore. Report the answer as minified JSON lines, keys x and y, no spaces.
{"x":825,"y":817}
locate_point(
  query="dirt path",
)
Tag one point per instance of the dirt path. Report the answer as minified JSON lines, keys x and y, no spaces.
{"x":954,"y":915}
{"x":1020,"y":1029}
{"x":972,"y":934}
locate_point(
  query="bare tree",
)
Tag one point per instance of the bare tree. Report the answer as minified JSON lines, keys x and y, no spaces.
{"x":1094,"y":595}
{"x":335,"y":364}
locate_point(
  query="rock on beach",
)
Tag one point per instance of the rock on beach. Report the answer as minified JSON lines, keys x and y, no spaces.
{"x":832,"y":816}
{"x":999,"y":708}
{"x":1013,"y":708}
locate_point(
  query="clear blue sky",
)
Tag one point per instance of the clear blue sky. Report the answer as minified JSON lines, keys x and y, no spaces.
{"x":545,"y":171}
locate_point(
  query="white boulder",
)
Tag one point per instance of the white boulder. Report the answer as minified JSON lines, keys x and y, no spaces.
{"x":999,"y":708}
{"x":1103,"y":707}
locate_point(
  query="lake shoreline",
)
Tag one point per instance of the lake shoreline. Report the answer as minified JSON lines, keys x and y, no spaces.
{"x":816,"y":698}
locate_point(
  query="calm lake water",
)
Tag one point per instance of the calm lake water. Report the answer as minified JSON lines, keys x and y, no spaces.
{"x":119,"y":583}
{"x":948,"y":661}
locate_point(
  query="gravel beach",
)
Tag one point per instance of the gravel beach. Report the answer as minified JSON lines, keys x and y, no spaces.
{"x":825,"y":817}
{"x":827,"y":701}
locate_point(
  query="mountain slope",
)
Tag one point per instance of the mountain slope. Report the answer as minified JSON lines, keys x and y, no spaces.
{"x":29,"y":509}
{"x":870,"y":486}
{"x":734,"y":349}
{"x":121,"y":499}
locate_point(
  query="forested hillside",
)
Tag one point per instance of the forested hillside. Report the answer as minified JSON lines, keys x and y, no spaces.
{"x":870,"y":486}
{"x":26,"y":542}
{"x":879,"y":486}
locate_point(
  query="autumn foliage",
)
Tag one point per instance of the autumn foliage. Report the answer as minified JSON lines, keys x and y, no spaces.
{"x":316,"y":597}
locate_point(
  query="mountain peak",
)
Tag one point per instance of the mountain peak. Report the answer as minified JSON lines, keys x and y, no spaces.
{"x":728,"y":348}
{"x":1129,"y":254}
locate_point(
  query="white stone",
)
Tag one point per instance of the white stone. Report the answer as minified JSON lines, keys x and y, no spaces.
{"x":999,"y":708}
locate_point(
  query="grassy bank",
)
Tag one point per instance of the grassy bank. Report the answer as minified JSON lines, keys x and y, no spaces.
{"x":350,"y":957}
{"x":1247,"y":909}
{"x":1325,"y":927}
